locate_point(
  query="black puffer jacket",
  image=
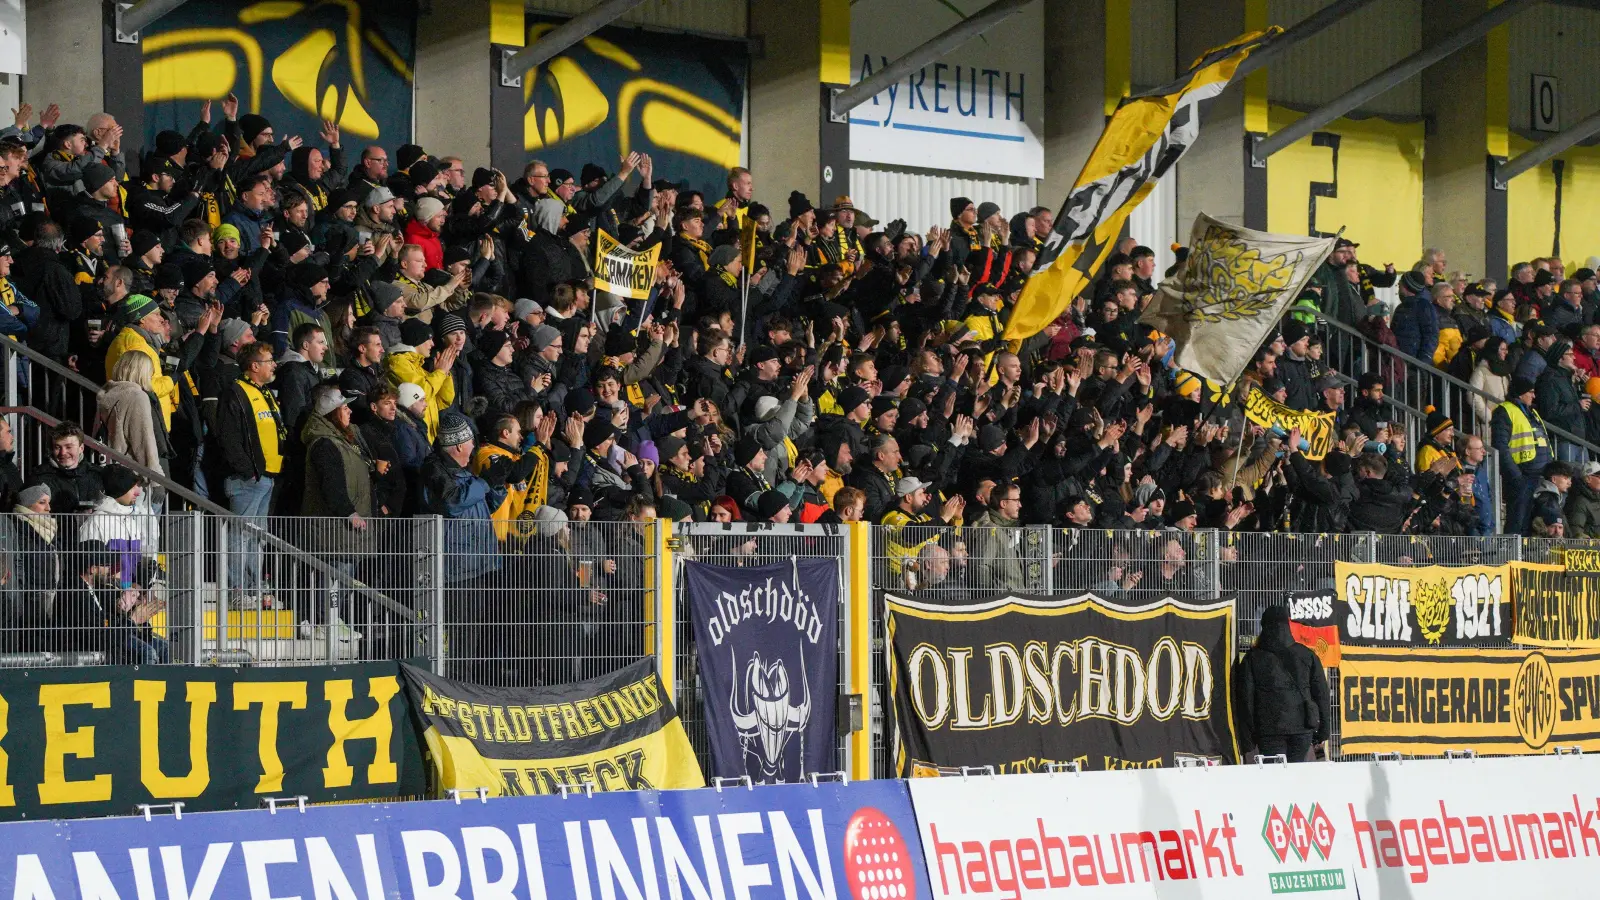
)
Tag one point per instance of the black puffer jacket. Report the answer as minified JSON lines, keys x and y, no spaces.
{"x":1278,"y":678}
{"x":1380,"y":506}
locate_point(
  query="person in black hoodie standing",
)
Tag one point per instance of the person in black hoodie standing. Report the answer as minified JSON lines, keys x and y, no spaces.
{"x":1283,"y":692}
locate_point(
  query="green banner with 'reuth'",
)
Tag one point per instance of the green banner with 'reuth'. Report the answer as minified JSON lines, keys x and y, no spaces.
{"x":100,"y":741}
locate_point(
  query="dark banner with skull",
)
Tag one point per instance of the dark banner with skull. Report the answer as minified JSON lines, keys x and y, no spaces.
{"x":1023,"y":684}
{"x":767,"y":639}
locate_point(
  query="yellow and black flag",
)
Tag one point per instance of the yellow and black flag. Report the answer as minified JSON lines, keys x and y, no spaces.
{"x":617,"y":732}
{"x":1142,"y":142}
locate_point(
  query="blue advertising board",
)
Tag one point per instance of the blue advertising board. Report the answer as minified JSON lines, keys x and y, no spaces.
{"x":805,"y":842}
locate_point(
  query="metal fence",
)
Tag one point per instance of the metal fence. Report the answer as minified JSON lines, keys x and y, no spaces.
{"x":528,"y":603}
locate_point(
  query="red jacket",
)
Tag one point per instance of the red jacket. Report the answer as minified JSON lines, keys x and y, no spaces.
{"x":426,"y":238}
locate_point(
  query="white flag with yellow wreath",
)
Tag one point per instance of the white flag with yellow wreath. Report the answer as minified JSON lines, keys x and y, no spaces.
{"x":1230,"y":294}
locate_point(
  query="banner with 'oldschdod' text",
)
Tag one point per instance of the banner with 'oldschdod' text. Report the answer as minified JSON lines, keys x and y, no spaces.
{"x":1019,"y":683}
{"x":769,"y":662}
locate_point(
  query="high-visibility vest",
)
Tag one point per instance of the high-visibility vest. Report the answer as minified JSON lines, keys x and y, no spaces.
{"x":1526,"y":436}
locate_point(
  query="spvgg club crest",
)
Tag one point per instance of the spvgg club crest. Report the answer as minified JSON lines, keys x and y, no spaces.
{"x":765,"y":714}
{"x":1301,"y":836}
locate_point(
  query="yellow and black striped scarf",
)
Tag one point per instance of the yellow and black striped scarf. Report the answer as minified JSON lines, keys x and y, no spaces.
{"x":701,"y":249}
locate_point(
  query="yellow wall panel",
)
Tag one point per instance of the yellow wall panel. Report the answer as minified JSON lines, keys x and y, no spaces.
{"x":1370,"y":184}
{"x":1531,"y":208}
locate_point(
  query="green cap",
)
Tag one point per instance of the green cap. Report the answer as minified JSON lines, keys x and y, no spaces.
{"x":137,"y":306}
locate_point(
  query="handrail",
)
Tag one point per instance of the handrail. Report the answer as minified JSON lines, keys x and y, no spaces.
{"x":37,"y":358}
{"x":1431,"y":369}
{"x":201,"y":503}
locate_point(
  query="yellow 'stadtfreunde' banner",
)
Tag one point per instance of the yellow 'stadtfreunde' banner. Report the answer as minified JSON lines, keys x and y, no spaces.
{"x":1501,"y":701}
{"x":1316,"y":428}
{"x":617,"y":732}
{"x":1232,"y":290}
{"x":621,"y":271}
{"x":1141,"y":143}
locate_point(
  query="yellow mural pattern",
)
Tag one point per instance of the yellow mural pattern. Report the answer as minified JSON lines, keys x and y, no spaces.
{"x":1378,"y":186}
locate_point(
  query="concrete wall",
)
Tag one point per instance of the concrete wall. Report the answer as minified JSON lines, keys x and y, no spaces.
{"x":64,"y":57}
{"x":1074,"y":92}
{"x":452,"y":81}
{"x":1211,"y":175}
{"x":785,"y":101}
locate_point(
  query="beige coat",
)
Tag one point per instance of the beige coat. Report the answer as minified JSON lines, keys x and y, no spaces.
{"x":126,"y":416}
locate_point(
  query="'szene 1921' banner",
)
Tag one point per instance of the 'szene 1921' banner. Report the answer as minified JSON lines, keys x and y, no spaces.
{"x":618,"y":732}
{"x":100,"y":741}
{"x":768,"y":641}
{"x":798,"y":842}
{"x":1422,"y":830}
{"x":1019,"y":683}
{"x":1422,"y":606}
{"x":1424,"y":702}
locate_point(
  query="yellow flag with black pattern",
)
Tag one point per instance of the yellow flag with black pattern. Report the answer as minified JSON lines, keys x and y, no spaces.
{"x":1144,"y":139}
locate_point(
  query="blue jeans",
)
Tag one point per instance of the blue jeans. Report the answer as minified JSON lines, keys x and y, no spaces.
{"x":1519,"y":503}
{"x":151,"y":651}
{"x":250,"y":499}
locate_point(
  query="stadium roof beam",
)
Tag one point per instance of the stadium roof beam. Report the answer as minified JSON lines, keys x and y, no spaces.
{"x":1389,"y":78}
{"x":1297,"y":33}
{"x":138,"y":17}
{"x":1547,"y":150}
{"x":515,"y":64}
{"x":935,"y":47}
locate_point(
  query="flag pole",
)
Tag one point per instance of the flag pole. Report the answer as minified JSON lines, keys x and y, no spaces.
{"x":744,"y":302}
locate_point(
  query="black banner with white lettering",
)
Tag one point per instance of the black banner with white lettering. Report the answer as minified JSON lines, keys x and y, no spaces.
{"x":768,"y":644}
{"x":1422,"y":606}
{"x":100,"y":741}
{"x":1020,"y":683}
{"x":1313,"y":622}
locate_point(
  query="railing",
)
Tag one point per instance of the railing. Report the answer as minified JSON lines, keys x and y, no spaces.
{"x":556,"y":601}
{"x":31,"y":375}
{"x":1423,"y":385}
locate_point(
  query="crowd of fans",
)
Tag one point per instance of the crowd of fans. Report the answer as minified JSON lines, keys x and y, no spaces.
{"x":292,"y":328}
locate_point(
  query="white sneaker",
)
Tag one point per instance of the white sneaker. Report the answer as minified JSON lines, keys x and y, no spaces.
{"x":344,"y":632}
{"x":309,"y":632}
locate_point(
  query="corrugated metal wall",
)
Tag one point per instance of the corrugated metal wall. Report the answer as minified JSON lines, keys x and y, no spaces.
{"x":1154,"y":222}
{"x":1558,"y":40}
{"x":922,"y":197}
{"x":1154,"y":32}
{"x":1348,"y":53}
{"x":726,"y":18}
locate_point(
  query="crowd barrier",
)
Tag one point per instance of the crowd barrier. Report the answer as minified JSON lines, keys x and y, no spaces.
{"x":519,"y":604}
{"x":1459,"y":829}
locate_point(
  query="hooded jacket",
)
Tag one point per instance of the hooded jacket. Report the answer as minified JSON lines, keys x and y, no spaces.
{"x":1380,"y":506}
{"x":1282,"y":686}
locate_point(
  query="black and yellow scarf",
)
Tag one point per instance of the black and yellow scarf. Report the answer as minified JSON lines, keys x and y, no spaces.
{"x":701,"y":249}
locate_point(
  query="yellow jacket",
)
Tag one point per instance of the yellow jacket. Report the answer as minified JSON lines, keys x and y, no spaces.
{"x":1449,"y":345}
{"x":438,"y":387}
{"x":164,"y":387}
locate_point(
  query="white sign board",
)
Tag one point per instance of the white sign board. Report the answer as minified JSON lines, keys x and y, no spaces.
{"x":13,"y":38}
{"x":979,"y":108}
{"x":1452,"y":830}
{"x":1544,"y":104}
